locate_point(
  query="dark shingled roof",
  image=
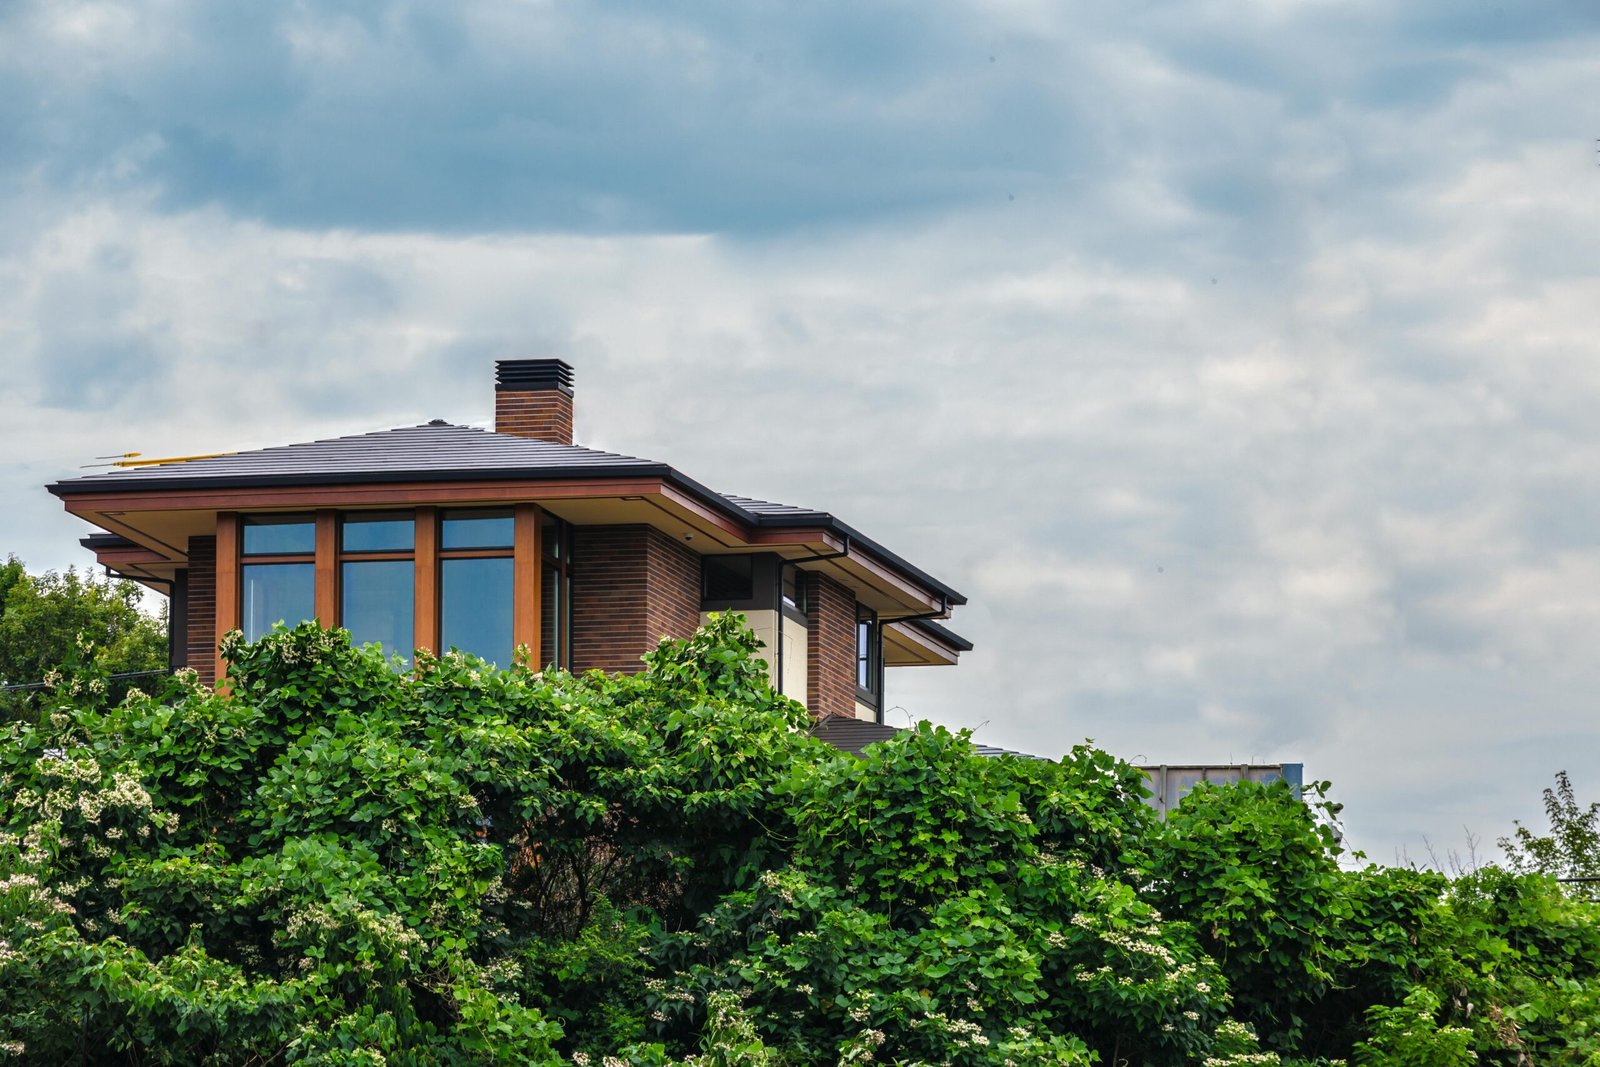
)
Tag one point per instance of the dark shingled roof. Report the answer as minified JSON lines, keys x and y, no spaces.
{"x":853,"y":735}
{"x":455,"y":451}
{"x":439,"y":451}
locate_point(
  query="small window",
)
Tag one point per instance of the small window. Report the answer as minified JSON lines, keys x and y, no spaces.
{"x":869,"y":657}
{"x":279,"y":535}
{"x":378,"y":532}
{"x":794,"y":589}
{"x":727,"y":578}
{"x":476,"y":529}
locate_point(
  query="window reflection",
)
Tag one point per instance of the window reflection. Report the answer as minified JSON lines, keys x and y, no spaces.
{"x":475,"y":607}
{"x":476,"y":530}
{"x":273,"y":593}
{"x":272,"y":535}
{"x":378,"y":533}
{"x":378,"y":603}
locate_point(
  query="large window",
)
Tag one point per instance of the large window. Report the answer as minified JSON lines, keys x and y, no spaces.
{"x":277,"y":572}
{"x":475,"y":583}
{"x":483,"y":579}
{"x":377,"y":580}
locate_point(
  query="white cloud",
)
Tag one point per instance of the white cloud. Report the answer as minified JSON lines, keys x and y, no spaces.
{"x":1244,"y":380}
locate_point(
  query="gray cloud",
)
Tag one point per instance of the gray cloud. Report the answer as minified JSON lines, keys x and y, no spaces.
{"x":1235,"y":359}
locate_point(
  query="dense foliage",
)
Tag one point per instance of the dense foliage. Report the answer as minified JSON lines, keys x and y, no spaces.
{"x":337,"y":862}
{"x":54,"y":618}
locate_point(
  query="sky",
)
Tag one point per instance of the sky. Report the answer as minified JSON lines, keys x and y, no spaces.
{"x":1238,"y":359}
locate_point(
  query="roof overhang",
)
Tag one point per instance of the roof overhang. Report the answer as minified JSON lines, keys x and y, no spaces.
{"x":154,"y":519}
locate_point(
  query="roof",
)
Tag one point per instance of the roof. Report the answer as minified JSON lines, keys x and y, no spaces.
{"x":409,"y":453}
{"x":439,"y":451}
{"x":940,"y":633}
{"x":854,"y":735}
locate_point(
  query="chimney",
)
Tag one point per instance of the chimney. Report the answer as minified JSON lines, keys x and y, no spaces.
{"x":533,"y":398}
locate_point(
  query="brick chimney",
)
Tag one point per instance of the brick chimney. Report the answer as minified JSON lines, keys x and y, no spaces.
{"x":533,"y":398}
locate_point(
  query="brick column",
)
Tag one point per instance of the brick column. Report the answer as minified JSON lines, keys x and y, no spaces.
{"x":201,"y":649}
{"x":830,"y":649}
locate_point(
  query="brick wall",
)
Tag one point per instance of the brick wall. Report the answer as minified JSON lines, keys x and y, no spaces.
{"x":673,"y":607}
{"x":202,"y":643}
{"x":544,"y":416}
{"x":831,"y":648}
{"x":630,"y":586}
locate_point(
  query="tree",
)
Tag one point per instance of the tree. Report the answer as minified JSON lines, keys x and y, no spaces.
{"x":1572,"y":849}
{"x":47,"y":620}
{"x":335,"y":861}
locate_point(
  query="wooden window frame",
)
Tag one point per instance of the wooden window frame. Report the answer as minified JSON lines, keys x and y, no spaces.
{"x":526,"y":555}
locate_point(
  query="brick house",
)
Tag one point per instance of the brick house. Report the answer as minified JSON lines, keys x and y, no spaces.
{"x":441,"y":536}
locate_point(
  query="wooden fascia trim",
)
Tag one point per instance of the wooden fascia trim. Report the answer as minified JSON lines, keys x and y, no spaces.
{"x":907,"y":634}
{"x":884,"y":576}
{"x":822,"y":539}
{"x":130,"y":555}
{"x":740,"y":532}
{"x":813,"y":538}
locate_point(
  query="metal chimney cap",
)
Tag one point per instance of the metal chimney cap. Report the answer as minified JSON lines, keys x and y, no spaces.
{"x":532,"y":376}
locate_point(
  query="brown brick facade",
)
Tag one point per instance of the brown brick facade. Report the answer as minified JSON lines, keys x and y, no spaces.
{"x":631,"y":585}
{"x":201,"y":647}
{"x":831,"y":648}
{"x":545,"y":415}
{"x":673,"y":601}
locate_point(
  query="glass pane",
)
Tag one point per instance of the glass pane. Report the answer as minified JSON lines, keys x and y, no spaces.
{"x":275,"y":592}
{"x":863,"y":664}
{"x":552,"y":613}
{"x":476,"y":530}
{"x":475,"y":607}
{"x":726,"y":578}
{"x":378,"y":533}
{"x":274,"y":536}
{"x":550,"y":537}
{"x":378,"y":598}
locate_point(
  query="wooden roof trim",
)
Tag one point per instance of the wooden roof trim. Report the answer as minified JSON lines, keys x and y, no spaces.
{"x":934,"y":649}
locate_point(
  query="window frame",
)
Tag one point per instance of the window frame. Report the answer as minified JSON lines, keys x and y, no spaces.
{"x":343,"y":556}
{"x":247,"y":560}
{"x":444,"y":555}
{"x":555,"y":556}
{"x":869,"y":660}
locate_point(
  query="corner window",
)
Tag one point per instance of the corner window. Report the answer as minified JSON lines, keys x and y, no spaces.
{"x":277,"y":572}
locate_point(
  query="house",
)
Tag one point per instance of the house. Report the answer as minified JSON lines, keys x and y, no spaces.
{"x":441,"y":536}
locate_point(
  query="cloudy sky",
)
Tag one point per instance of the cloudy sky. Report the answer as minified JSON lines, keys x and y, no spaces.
{"x":1239,"y":359}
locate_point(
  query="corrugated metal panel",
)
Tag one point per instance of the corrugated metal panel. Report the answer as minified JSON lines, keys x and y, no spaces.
{"x":853,"y":735}
{"x":1170,"y":783}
